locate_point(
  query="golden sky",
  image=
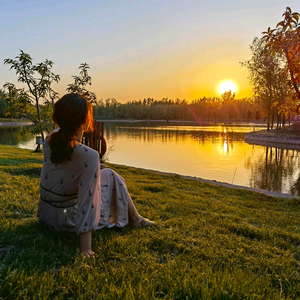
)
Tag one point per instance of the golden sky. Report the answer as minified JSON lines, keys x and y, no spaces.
{"x":140,"y":49}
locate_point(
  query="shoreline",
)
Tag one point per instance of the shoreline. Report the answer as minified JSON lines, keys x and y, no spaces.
{"x":11,"y":124}
{"x":215,"y":182}
{"x":266,"y":138}
{"x":194,"y":122}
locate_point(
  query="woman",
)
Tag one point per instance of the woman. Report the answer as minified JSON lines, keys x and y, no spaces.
{"x":74,"y":194}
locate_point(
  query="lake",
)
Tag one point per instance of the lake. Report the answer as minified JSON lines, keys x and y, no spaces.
{"x":206,"y":151}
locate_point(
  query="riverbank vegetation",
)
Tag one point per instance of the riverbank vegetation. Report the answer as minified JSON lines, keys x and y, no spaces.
{"x":210,"y":242}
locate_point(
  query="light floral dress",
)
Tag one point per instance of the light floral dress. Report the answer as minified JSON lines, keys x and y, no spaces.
{"x":76,"y":196}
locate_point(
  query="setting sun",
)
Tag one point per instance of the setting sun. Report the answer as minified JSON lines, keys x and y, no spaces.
{"x":227,"y":85}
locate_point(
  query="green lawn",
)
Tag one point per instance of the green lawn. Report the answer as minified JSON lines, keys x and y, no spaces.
{"x":210,"y":242}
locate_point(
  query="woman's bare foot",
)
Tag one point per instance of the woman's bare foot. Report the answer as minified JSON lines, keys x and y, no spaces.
{"x":142,"y":222}
{"x":88,"y":253}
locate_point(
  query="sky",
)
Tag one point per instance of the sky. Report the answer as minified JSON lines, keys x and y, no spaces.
{"x":139,"y":49}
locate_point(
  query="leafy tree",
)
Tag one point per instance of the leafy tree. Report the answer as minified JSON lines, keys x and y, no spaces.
{"x":228,"y":97}
{"x":38,"y":80}
{"x":268,"y":78}
{"x":3,"y":103}
{"x":80,"y":83}
{"x":16,"y":101}
{"x":285,"y":39}
{"x":227,"y":102}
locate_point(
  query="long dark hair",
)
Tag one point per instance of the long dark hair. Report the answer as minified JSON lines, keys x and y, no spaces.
{"x":71,"y":113}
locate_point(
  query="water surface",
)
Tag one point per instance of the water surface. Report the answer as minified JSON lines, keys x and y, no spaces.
{"x":210,"y":152}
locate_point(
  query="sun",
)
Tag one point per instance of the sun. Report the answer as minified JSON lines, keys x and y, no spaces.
{"x":227,"y":85}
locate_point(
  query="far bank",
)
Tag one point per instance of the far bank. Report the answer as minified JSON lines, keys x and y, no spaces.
{"x":287,"y":137}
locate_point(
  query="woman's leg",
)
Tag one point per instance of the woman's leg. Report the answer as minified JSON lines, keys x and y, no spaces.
{"x":134,"y":218}
{"x":117,"y":197}
{"x":133,"y":215}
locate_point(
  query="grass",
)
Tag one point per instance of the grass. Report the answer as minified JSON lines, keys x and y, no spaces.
{"x":210,"y":242}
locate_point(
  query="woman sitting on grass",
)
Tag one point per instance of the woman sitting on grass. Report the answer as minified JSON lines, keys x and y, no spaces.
{"x":74,"y":194}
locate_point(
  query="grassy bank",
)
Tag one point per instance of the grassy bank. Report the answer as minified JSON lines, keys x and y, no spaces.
{"x":210,"y":242}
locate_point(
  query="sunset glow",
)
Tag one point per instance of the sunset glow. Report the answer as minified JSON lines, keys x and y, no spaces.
{"x":226,"y":86}
{"x":139,"y":49}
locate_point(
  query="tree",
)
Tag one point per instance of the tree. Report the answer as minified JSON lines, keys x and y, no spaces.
{"x":268,"y":78}
{"x":3,"y":103}
{"x":38,"y":80}
{"x":80,"y":83}
{"x":285,"y":39}
{"x":228,"y":97}
{"x":16,"y":101}
{"x":227,"y":102}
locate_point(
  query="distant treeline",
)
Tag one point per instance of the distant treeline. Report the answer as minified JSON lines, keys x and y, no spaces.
{"x":226,"y":108}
